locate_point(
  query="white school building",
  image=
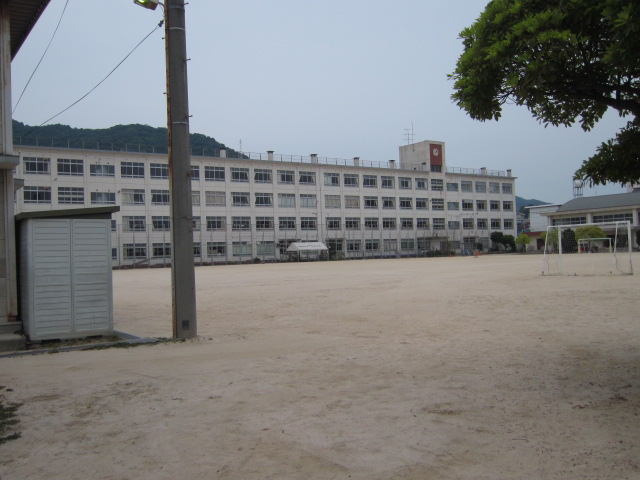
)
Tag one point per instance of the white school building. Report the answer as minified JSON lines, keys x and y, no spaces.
{"x":255,"y":206}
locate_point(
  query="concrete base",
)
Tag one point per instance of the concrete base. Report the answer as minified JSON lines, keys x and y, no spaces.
{"x":12,"y":342}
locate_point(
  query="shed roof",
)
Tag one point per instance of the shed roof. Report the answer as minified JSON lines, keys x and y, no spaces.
{"x":601,"y":202}
{"x":306,"y":247}
{"x":93,"y":212}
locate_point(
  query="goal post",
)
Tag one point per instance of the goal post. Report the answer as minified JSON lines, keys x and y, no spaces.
{"x":588,"y":249}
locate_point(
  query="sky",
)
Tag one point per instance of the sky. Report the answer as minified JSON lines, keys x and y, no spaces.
{"x":340,"y":78}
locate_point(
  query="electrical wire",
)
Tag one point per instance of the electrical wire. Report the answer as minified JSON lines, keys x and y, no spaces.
{"x":99,"y":83}
{"x":41,"y":58}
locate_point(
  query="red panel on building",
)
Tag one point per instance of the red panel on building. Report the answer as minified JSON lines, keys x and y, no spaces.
{"x":435,"y":154}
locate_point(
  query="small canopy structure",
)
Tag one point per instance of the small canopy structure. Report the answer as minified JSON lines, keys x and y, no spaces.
{"x":307,"y":247}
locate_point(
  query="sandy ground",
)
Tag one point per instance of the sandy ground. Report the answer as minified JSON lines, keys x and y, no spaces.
{"x":444,"y":368}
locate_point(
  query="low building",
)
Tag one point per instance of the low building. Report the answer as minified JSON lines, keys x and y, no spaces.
{"x":255,"y":206}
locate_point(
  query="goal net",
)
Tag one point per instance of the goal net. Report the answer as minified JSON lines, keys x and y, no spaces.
{"x":588,"y":249}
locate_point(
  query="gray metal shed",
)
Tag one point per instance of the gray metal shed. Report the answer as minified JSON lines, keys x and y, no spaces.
{"x":65,"y":273}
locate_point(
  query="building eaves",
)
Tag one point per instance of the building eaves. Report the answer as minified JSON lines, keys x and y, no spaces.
{"x":23,"y":16}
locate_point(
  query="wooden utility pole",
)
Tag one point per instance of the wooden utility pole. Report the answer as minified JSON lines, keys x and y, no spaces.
{"x":183,"y":286}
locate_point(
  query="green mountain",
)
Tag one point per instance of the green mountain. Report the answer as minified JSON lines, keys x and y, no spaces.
{"x":524,"y":202}
{"x":133,"y":138}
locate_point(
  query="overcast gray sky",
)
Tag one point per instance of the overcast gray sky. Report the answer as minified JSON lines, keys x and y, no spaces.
{"x":340,"y":78}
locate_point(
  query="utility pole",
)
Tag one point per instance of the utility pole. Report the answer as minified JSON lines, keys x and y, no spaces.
{"x":183,"y":285}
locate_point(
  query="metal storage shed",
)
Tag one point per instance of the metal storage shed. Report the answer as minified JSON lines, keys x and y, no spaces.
{"x":65,"y":273}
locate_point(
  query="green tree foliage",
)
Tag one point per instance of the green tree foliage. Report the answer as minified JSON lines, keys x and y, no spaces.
{"x":567,"y":61}
{"x":569,"y":242}
{"x":523,"y":240}
{"x":591,"y":231}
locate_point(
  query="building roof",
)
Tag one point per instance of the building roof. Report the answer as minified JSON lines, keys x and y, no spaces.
{"x":24,"y":15}
{"x":601,"y":202}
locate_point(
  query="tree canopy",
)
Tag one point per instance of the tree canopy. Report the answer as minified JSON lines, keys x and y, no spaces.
{"x":567,"y":61}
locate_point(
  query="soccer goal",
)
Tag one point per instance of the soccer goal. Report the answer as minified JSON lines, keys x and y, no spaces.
{"x":588,"y":249}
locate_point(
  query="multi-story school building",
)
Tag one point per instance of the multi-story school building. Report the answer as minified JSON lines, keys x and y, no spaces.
{"x":257,"y":205}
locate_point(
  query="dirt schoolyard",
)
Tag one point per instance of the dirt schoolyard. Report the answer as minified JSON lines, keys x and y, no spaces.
{"x":439,"y":368}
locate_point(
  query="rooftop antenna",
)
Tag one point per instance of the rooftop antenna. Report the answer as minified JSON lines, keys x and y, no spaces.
{"x":409,"y":136}
{"x":240,"y":148}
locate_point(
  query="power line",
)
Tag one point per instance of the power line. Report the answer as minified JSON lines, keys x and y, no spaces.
{"x":41,"y":58}
{"x":99,"y":83}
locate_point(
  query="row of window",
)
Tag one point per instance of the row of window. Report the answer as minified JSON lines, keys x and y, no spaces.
{"x":612,"y":217}
{"x":74,"y":167}
{"x":75,"y":195}
{"x":138,"y":223}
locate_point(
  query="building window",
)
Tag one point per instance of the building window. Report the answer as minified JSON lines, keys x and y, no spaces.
{"x":454,"y":225}
{"x":159,"y":171}
{"x":216,"y":249}
{"x":388,"y":203}
{"x":406,"y":203}
{"x":350,"y":179}
{"x":404,"y":183}
{"x":569,"y":221}
{"x":371,"y":223}
{"x":507,"y":188}
{"x":436,"y":168}
{"x":333,"y":223}
{"x":37,"y":194}
{"x":287,"y":223}
{"x":264,"y":199}
{"x":195,"y":175}
{"x":370,"y":202}
{"x":437,"y":184}
{"x":286,"y":200}
{"x":161,"y":250}
{"x":422,"y":223}
{"x":133,"y":196}
{"x":496,"y":224}
{"x":467,"y":223}
{"x":197,"y":249}
{"x":37,"y":165}
{"x":406,"y":223}
{"x":332,"y":179}
{"x":467,"y":205}
{"x":102,"y":170}
{"x":482,"y":223}
{"x":241,"y":223}
{"x":132,"y":251}
{"x":353,"y":245}
{"x":214,"y":199}
{"x":387,"y":182}
{"x":494,"y":205}
{"x":308,"y":200}
{"x":196,"y":224}
{"x":114,"y":253}
{"x":466,"y":186}
{"x":390,"y":244}
{"x":114,"y":226}
{"x":481,"y":187}
{"x":372,"y":245}
{"x":134,"y":223}
{"x":266,"y":248}
{"x":161,"y":223}
{"x":216,"y":223}
{"x":407,"y":244}
{"x":71,"y":195}
{"x":240,"y":249}
{"x":70,"y":166}
{"x":351,"y":201}
{"x":507,"y":206}
{"x":388,"y":223}
{"x":262,"y":175}
{"x":103,"y":198}
{"x":214,"y":174}
{"x":286,"y":177}
{"x":132,"y":170}
{"x":438,"y":224}
{"x":195,"y":198}
{"x":264,"y":223}
{"x":614,"y":217}
{"x":494,"y":187}
{"x":240,"y":199}
{"x":308,"y":223}
{"x":453,"y":206}
{"x":452,"y":187}
{"x":239,"y":174}
{"x":370,"y":181}
{"x":352,"y":223}
{"x":481,"y":205}
{"x":421,"y":183}
{"x":159,"y":197}
{"x":437,"y":204}
{"x":422,"y":204}
{"x":307,"y":178}
{"x":507,"y":223}
{"x":332,"y":201}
